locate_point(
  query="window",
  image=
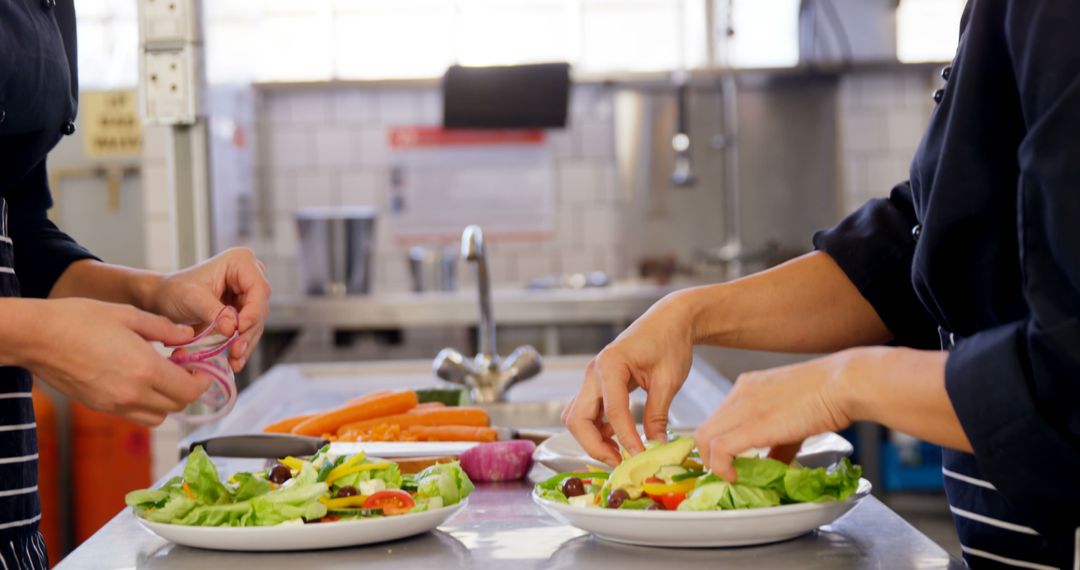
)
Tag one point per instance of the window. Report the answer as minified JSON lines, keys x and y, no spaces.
{"x":108,"y":36}
{"x":297,"y":40}
{"x":766,"y":33}
{"x":928,"y":30}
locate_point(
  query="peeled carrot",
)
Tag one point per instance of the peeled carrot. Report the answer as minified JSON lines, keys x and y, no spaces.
{"x":453,"y":433}
{"x":446,"y":416}
{"x":375,"y":406}
{"x":368,"y":396}
{"x":285,"y":425}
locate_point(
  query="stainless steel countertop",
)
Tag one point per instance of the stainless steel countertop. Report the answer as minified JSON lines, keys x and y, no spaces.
{"x":501,"y":526}
{"x":618,"y":303}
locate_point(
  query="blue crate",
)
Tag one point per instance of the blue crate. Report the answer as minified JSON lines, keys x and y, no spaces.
{"x":923,"y":475}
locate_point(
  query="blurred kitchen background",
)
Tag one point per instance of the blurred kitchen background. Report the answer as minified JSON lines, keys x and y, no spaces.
{"x":788,"y":113}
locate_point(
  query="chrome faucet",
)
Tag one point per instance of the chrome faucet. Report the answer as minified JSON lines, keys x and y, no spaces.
{"x":486,"y":376}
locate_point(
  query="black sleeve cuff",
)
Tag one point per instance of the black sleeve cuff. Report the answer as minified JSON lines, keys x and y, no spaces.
{"x":1022,"y":446}
{"x":874,"y":247}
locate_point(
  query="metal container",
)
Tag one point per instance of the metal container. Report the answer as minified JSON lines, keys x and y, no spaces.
{"x":336,"y":248}
{"x":433,"y":269}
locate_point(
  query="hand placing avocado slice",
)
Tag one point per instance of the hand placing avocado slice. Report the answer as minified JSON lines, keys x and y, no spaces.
{"x":632,"y":472}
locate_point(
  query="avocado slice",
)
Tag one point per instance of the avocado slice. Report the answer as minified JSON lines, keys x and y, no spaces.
{"x":632,"y":472}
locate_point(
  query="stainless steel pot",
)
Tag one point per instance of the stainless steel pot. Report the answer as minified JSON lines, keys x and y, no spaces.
{"x":336,"y":248}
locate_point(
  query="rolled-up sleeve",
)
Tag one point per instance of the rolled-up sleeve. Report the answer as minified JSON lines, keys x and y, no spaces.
{"x":1016,"y":387}
{"x":874,"y":247}
{"x":42,"y":251}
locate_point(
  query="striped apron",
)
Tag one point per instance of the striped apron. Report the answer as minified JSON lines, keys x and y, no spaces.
{"x":991,"y":535}
{"x":21,"y":545}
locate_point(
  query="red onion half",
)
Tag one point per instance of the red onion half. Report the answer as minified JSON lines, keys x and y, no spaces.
{"x":206,"y":355}
{"x":499,"y":460}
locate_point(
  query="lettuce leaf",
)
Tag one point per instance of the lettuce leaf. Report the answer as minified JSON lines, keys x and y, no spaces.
{"x":838,"y":483}
{"x":552,"y":495}
{"x":390,"y":475}
{"x":249,"y":486}
{"x":636,"y":504}
{"x":842,"y":480}
{"x":300,"y":499}
{"x":805,"y":485}
{"x":235,"y":514}
{"x":708,"y":497}
{"x":159,"y":505}
{"x":748,"y":497}
{"x":445,"y":480}
{"x":202,"y":478}
{"x":759,"y":471}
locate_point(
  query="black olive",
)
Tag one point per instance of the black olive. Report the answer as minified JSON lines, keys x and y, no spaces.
{"x":654,"y":507}
{"x":616,"y":498}
{"x":347,"y":491}
{"x":279,"y":474}
{"x":573,"y":487}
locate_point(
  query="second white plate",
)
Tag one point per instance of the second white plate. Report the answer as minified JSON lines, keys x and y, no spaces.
{"x":681,"y":529}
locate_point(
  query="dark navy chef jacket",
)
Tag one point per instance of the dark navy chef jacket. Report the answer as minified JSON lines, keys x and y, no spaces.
{"x":38,"y":96}
{"x":980,"y":251}
{"x":38,"y":99}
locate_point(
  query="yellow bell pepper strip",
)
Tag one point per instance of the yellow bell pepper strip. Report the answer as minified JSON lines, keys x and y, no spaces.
{"x":336,"y":472}
{"x":354,"y":469}
{"x":292,"y":463}
{"x":656,"y":489}
{"x":355,"y":501}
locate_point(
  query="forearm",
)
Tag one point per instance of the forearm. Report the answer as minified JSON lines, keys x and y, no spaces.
{"x":112,"y":283}
{"x":903,"y":389}
{"x":805,"y":305}
{"x":19,"y":333}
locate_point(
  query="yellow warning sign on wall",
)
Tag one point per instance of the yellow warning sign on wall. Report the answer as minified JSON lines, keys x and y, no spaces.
{"x":110,"y":124}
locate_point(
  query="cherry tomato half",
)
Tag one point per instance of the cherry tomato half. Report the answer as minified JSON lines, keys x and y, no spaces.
{"x":655,"y":480}
{"x":671,"y":500}
{"x":391,"y":501}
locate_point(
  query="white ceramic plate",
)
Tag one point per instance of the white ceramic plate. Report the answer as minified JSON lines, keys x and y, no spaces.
{"x":678,"y":529}
{"x":304,"y":537}
{"x":391,"y":449}
{"x":563,"y":453}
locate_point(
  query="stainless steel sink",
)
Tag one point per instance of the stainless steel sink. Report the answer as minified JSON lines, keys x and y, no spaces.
{"x":538,"y":415}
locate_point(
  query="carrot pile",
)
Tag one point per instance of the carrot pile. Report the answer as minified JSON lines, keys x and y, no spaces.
{"x":391,"y":416}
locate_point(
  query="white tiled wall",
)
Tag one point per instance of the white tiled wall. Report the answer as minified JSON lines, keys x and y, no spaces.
{"x":882,"y":118}
{"x":328,"y":147}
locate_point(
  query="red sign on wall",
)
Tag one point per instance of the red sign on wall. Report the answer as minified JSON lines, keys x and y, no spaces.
{"x":422,"y":137}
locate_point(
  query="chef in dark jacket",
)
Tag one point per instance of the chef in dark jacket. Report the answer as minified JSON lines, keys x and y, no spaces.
{"x":77,"y":323}
{"x":951,"y":308}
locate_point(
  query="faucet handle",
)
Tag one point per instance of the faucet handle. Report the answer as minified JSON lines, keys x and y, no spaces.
{"x":452,"y":366}
{"x":522,"y":364}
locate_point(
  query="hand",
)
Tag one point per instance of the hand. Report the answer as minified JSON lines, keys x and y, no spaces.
{"x":655,"y":354}
{"x":196,"y":295}
{"x":97,"y":353}
{"x":776,"y":408}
